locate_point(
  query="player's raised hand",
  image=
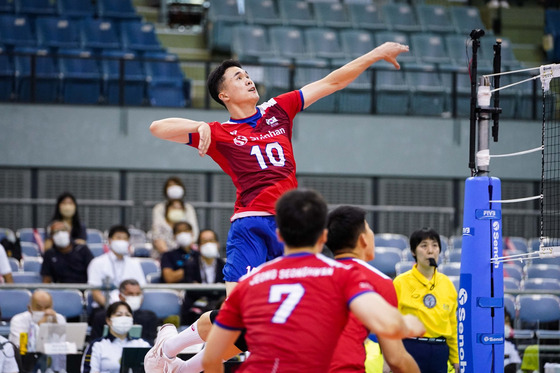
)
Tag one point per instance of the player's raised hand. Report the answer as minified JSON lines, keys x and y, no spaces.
{"x":390,"y":50}
{"x":415,"y":326}
{"x":204,"y":142}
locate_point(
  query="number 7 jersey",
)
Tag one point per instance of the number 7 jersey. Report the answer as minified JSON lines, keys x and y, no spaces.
{"x":257,"y":153}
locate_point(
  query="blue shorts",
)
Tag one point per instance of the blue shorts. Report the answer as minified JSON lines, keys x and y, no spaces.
{"x":251,"y":242}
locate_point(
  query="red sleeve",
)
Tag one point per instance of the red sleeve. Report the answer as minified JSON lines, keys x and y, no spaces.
{"x":355,"y":284}
{"x":194,"y":137}
{"x":387,"y":291}
{"x":291,"y":102}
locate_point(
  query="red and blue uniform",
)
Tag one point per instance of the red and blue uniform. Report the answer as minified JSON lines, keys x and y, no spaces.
{"x":257,"y":154}
{"x":299,"y":302}
{"x":350,"y":353}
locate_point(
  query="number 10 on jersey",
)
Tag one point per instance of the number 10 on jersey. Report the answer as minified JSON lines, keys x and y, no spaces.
{"x":277,"y":159}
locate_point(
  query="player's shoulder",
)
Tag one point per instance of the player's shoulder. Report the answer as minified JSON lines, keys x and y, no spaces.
{"x":368,"y":269}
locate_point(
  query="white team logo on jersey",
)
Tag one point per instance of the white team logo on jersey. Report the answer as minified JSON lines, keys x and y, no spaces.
{"x":240,"y":140}
{"x":233,"y":133}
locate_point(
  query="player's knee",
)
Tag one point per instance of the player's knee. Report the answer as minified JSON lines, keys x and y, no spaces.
{"x":204,"y":324}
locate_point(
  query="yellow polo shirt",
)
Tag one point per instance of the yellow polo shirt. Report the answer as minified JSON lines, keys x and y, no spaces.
{"x":434,"y":302}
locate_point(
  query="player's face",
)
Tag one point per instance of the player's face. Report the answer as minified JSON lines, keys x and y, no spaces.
{"x":427,"y":249}
{"x":238,"y":87}
{"x":370,"y":239}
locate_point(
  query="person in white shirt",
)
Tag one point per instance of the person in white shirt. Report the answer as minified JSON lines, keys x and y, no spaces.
{"x":103,"y":355}
{"x":8,"y":363}
{"x":5,"y":269}
{"x":40,"y":310}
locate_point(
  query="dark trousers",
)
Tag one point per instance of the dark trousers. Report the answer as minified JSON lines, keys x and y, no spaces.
{"x":431,"y":357}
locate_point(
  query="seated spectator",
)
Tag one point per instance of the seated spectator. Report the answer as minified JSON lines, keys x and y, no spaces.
{"x":9,"y":355}
{"x":175,"y":189}
{"x":69,"y":260}
{"x":40,"y":310}
{"x":177,"y":264}
{"x":162,"y":230}
{"x":66,"y":210}
{"x":103,"y":355}
{"x":129,"y":291}
{"x":203,"y":267}
{"x":5,"y":268}
{"x":107,"y":271}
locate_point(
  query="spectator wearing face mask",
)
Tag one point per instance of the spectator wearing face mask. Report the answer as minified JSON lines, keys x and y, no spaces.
{"x":66,"y":210}
{"x":163,"y":238}
{"x":177,"y":264}
{"x":129,"y":291}
{"x":104,"y":354}
{"x":110,"y":269}
{"x":68,"y":261}
{"x":175,"y":189}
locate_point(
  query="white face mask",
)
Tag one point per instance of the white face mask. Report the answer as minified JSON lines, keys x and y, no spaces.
{"x":134,"y":301}
{"x":36,"y":316}
{"x":175,"y":192}
{"x":120,"y":247}
{"x":184,"y":239}
{"x":61,"y":239}
{"x":507,"y":331}
{"x":210,"y":250}
{"x":121,"y":324}
{"x":175,"y":215}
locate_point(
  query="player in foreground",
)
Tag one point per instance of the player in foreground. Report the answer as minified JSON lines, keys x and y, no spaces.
{"x":254,"y":148}
{"x":295,"y":307}
{"x":351,"y":240}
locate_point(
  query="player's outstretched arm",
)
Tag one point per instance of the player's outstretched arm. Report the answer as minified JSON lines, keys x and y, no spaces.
{"x":218,"y":342}
{"x":178,"y":130}
{"x":383,"y":319}
{"x":396,"y":356}
{"x":341,"y":77}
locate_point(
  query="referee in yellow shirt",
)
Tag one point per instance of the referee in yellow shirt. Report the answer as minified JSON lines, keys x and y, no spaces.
{"x":430,"y":296}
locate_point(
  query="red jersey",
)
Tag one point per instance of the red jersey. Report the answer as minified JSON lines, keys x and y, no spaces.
{"x":293,"y":309}
{"x":350,"y":353}
{"x":257,"y":153}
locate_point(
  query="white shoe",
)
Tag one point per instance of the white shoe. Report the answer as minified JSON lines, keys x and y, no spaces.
{"x":155,"y":360}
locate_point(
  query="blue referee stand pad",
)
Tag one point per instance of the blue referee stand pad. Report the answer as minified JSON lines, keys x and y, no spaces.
{"x":480,"y":314}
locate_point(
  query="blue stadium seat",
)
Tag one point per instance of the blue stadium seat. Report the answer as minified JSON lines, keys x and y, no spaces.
{"x":403,"y":266}
{"x":513,"y":270}
{"x":463,"y":84}
{"x":149,"y":265}
{"x":28,"y":235}
{"x":139,"y":36}
{"x":543,"y":271}
{"x":453,"y":255}
{"x":427,"y":92}
{"x":142,"y":250}
{"x":355,"y":43}
{"x":137,"y":236}
{"x":13,"y":301}
{"x":36,"y":7}
{"x":296,"y":13}
{"x":386,"y":259}
{"x":520,"y":243}
{"x":541,"y":284}
{"x":288,"y":42}
{"x":78,"y":9}
{"x":57,"y":32}
{"x":99,"y":34}
{"x":401,"y":17}
{"x":430,"y":48}
{"x":450,"y":269}
{"x":357,"y":96}
{"x":94,"y":236}
{"x":29,"y":249}
{"x":96,"y":249}
{"x":166,"y":82}
{"x":250,"y":43}
{"x":163,"y":303}
{"x":434,"y":18}
{"x":32,"y":264}
{"x":537,"y":309}
{"x":134,"y":78}
{"x":323,"y":43}
{"x":7,"y":6}
{"x":154,"y":278}
{"x":509,"y":305}
{"x":511,"y":284}
{"x":27,"y":277}
{"x":118,"y":9}
{"x":6,"y":76}
{"x":16,"y":30}
{"x":14,"y":264}
{"x":399,"y":241}
{"x":47,"y":77}
{"x":466,"y":19}
{"x":310,"y":70}
{"x":398,"y":37}
{"x":276,"y":74}
{"x":261,"y":12}
{"x":392,"y":90}
{"x":68,"y":302}
{"x":331,"y":14}
{"x":222,"y":16}
{"x":455,"y":242}
{"x":367,"y":16}
{"x":81,"y":78}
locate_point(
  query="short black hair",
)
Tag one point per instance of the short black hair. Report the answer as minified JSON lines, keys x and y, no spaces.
{"x":129,"y":281}
{"x":180,"y":223}
{"x":207,"y":230}
{"x":345,"y":224}
{"x":422,"y":234}
{"x":301,"y":217}
{"x":118,"y":228}
{"x":112,"y":309}
{"x":216,"y":78}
